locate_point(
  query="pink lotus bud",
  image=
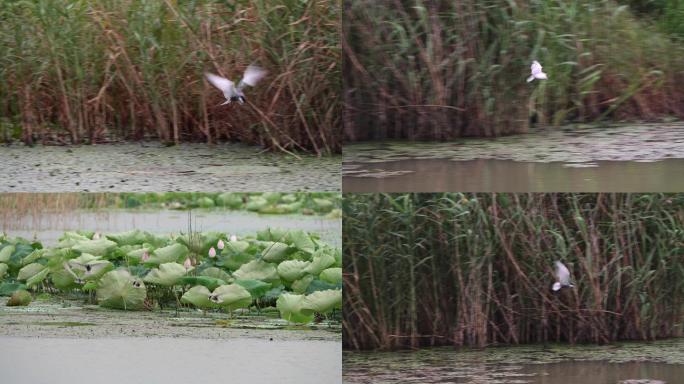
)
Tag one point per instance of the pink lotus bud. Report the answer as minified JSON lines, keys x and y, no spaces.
{"x":145,"y":256}
{"x":187,"y":264}
{"x":212,"y":252}
{"x":220,"y":244}
{"x":233,"y":238}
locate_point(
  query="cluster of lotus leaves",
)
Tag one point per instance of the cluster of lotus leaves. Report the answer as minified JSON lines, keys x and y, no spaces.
{"x":300,"y":272}
{"x":301,"y":308}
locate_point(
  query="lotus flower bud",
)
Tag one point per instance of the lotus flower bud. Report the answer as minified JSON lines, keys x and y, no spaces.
{"x":187,"y":264}
{"x":145,"y":256}
{"x":212,"y":252}
{"x":220,"y":244}
{"x":233,"y":238}
{"x":96,"y":236}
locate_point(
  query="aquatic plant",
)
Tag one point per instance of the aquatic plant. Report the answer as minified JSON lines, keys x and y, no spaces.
{"x":443,"y":69}
{"x":178,"y":269}
{"x":92,"y":71}
{"x":477,"y":269}
{"x":13,"y":205}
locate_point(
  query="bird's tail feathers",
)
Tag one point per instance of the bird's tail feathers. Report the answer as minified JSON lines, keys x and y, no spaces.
{"x":530,"y":78}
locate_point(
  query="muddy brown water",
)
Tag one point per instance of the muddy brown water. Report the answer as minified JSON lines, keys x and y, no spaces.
{"x":151,"y":167}
{"x":440,"y":175}
{"x":49,"y":227}
{"x":167,"y":361}
{"x":561,"y":364}
{"x":577,"y":158}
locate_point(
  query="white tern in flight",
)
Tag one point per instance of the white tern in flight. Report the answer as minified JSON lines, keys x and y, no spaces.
{"x":536,"y":72}
{"x":563,"y":277}
{"x":232,"y":93}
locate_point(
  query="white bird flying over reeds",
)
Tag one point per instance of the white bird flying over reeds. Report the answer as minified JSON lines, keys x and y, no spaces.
{"x":251,"y":77}
{"x":562,"y":277}
{"x":536,"y":72}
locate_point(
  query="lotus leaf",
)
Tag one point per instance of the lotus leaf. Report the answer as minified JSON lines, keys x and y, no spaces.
{"x":230,"y":200}
{"x":63,"y":280}
{"x":19,"y":298}
{"x":30,"y":270}
{"x":172,"y":253}
{"x":271,"y":197}
{"x":137,"y":254}
{"x":323,"y":205}
{"x":272,"y":234}
{"x":6,"y":252}
{"x":300,"y":286}
{"x":231,"y":297}
{"x":257,"y":270}
{"x":275,"y":252}
{"x":234,"y":261}
{"x":7,"y":289}
{"x":236,"y":246}
{"x":216,"y":273}
{"x":206,"y":281}
{"x":302,"y":241}
{"x":98,"y":247}
{"x":290,"y":198}
{"x":331,"y":275}
{"x":291,"y":270}
{"x":256,"y":203}
{"x":167,"y":274}
{"x":290,"y":307}
{"x":37,"y":278}
{"x":133,"y":237}
{"x":322,"y":259}
{"x":322,"y":301}
{"x":3,"y":269}
{"x":118,"y":289}
{"x":205,"y":202}
{"x":69,"y":239}
{"x":199,"y":297}
{"x":256,"y":288}
{"x":33,"y":256}
{"x":319,"y":285}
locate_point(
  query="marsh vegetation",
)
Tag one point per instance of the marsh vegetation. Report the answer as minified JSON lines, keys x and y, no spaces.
{"x":476,"y":269}
{"x":441,"y":70}
{"x":93,"y":71}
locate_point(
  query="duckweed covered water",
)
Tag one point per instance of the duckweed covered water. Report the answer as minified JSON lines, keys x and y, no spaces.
{"x":578,"y":158}
{"x":151,"y":167}
{"x":558,"y":364}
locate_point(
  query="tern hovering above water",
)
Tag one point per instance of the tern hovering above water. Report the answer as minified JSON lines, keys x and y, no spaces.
{"x":562,"y":277}
{"x":232,"y":93}
{"x":536,"y":72}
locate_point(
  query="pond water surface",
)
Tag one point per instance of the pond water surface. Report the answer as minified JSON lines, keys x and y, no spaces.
{"x":558,"y":364}
{"x":167,"y":360}
{"x":628,"y":158}
{"x":152,"y":167}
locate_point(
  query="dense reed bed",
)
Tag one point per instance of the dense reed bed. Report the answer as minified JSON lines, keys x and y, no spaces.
{"x":78,"y":71}
{"x":477,"y":269}
{"x":445,"y":69}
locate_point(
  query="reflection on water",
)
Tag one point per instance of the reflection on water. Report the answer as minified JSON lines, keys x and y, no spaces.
{"x":49,"y":227}
{"x":439,"y":175}
{"x":590,"y":372}
{"x":556,"y":364}
{"x":167,"y":360}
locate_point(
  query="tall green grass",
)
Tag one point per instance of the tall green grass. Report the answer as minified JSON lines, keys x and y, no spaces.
{"x":444,"y":69}
{"x":78,"y":71}
{"x":477,"y":269}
